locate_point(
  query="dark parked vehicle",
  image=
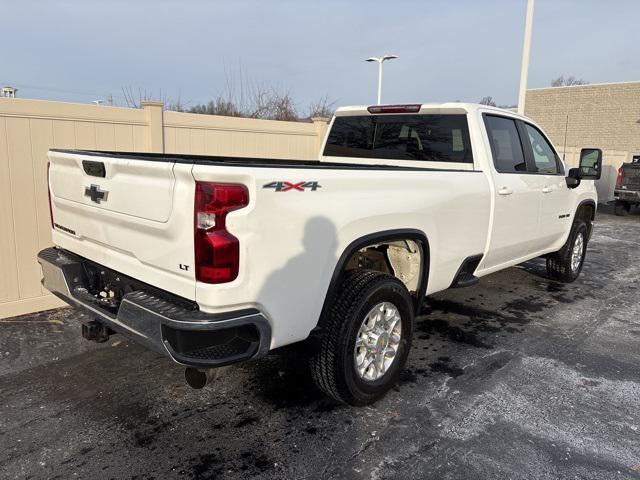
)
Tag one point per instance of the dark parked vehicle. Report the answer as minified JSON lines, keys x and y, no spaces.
{"x":627,"y":192}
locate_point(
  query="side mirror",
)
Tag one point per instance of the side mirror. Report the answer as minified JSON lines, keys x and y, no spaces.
{"x":573,"y":177}
{"x":590,"y":163}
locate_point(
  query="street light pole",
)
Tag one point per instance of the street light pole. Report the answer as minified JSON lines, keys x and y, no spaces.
{"x":379,"y":61}
{"x":379,"y":83}
{"x":524,"y":70}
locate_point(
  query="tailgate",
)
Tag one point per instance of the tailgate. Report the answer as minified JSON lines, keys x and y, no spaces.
{"x":131,"y":214}
{"x":631,"y":176}
{"x":142,"y":189}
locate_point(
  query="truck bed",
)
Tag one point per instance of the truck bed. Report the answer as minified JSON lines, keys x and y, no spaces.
{"x":145,"y":228}
{"x":243,"y":161}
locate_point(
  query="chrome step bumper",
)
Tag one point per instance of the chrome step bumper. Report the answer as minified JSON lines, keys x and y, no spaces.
{"x":168,"y":325}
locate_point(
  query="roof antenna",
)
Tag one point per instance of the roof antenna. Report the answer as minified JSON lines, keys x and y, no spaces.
{"x":564,"y":149}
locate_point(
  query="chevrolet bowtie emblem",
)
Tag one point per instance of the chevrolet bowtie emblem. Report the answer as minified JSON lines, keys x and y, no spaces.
{"x":95,"y":193}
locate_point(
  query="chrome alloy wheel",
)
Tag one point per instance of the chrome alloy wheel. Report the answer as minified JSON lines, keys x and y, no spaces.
{"x":577,"y":252}
{"x":377,"y":341}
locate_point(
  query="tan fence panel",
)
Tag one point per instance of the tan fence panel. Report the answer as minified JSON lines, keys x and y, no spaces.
{"x":29,"y":128}
{"x":8,"y":267}
{"x":240,"y":137}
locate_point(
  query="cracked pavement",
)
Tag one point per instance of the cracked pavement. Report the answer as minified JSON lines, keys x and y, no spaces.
{"x":516,"y":377}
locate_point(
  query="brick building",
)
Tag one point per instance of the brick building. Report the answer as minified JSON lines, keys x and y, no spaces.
{"x":605,"y":116}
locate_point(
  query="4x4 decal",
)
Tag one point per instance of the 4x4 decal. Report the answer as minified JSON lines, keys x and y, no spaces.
{"x":289,"y":186}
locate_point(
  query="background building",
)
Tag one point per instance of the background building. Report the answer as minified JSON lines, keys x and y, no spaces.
{"x":8,"y":92}
{"x":605,"y":116}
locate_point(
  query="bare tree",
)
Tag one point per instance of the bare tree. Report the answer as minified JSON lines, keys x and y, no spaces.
{"x":175,"y":106}
{"x":269,"y":104}
{"x":218,"y":106}
{"x":134,"y":100}
{"x":240,"y":97}
{"x":488,"y":101}
{"x":321,"y":108}
{"x":561,"y":81}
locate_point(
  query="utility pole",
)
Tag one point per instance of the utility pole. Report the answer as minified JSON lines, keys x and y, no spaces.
{"x":524,"y":70}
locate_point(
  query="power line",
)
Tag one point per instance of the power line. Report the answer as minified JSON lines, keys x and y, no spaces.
{"x":60,"y":90}
{"x":108,"y":97}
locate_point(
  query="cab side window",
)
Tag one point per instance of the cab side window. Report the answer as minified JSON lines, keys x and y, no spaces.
{"x":544,"y":157}
{"x":506,"y":149}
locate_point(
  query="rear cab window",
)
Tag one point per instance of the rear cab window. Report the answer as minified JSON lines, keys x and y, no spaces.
{"x":441,"y":138}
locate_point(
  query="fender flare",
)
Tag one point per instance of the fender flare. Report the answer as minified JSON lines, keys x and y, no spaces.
{"x":590,"y":202}
{"x":372,"y":239}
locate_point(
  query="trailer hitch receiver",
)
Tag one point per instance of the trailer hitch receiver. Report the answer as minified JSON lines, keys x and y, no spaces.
{"x":96,"y":331}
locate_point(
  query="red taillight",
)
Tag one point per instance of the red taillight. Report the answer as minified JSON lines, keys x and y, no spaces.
{"x":49,"y":194}
{"x":217,"y":252}
{"x":413,"y":108}
{"x":619,"y":177}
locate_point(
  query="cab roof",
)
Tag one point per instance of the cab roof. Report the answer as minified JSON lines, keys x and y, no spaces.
{"x":447,"y":107}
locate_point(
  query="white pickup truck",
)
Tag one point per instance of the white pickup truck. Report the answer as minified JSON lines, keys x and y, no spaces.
{"x":216,"y":260}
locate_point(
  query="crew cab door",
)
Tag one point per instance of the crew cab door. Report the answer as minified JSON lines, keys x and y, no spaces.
{"x":548,"y":172}
{"x":517,"y":202}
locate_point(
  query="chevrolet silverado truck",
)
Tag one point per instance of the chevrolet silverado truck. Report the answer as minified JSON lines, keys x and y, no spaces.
{"x":214,"y":260}
{"x":627,"y":191}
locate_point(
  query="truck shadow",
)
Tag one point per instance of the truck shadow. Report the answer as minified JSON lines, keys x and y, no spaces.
{"x":450,"y":324}
{"x":134,"y":404}
{"x":257,"y":413}
{"x":310,"y":267}
{"x":537,"y":267}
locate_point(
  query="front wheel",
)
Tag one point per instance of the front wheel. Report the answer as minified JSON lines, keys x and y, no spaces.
{"x":566,"y":264}
{"x":365,"y":339}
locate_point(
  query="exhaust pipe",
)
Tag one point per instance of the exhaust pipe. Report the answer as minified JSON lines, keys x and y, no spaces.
{"x":198,"y":379}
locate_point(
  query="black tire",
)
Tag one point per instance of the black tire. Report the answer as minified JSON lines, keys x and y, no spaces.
{"x":622,"y":208}
{"x":559,"y":264}
{"x":333,"y":365}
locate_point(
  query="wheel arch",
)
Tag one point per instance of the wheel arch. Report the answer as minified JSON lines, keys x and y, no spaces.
{"x":372,"y":239}
{"x":586,"y":210}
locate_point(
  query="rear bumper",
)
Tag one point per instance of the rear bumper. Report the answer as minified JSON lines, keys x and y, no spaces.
{"x":627,"y":195}
{"x":171,"y":326}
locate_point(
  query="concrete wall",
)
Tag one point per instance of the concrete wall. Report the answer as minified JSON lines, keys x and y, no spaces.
{"x":601,"y":115}
{"x":29,"y":128}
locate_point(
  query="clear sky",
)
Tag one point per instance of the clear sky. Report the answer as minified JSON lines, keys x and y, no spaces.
{"x":82,"y":50}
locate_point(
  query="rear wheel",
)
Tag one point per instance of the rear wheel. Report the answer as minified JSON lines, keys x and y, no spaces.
{"x":565,"y":265}
{"x":365,"y":338}
{"x":622,"y":208}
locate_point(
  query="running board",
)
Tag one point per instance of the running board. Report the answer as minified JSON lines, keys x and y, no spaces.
{"x":465,"y":276}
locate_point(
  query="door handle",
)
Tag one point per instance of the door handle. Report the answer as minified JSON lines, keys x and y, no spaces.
{"x":505,"y":191}
{"x":546,"y":189}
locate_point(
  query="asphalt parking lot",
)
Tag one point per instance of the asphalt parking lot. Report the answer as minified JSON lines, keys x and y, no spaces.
{"x":517,"y":377}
